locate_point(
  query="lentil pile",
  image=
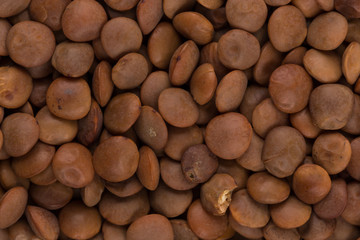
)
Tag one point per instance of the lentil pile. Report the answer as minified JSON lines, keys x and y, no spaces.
{"x":179,"y":119}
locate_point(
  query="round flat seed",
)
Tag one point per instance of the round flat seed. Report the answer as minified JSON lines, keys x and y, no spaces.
{"x":177,"y":107}
{"x":238,"y":49}
{"x":327,"y":31}
{"x":228,"y":135}
{"x":116,"y":159}
{"x":285,"y":37}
